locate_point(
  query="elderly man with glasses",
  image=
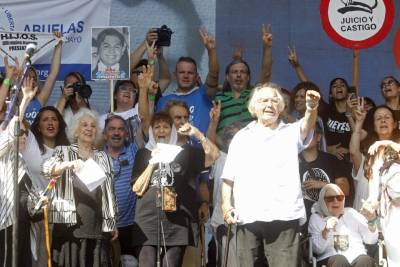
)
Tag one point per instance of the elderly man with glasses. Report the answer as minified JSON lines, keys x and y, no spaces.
{"x":262,"y":171}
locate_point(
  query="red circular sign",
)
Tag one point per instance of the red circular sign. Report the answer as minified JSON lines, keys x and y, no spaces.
{"x":342,"y":10}
{"x":396,"y":47}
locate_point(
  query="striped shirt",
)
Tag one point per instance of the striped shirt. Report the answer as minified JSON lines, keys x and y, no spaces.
{"x":233,"y":109}
{"x":7,"y":161}
{"x":126,"y":198}
{"x":62,"y":206}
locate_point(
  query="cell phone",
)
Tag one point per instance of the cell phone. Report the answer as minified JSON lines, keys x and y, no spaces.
{"x":352,"y":92}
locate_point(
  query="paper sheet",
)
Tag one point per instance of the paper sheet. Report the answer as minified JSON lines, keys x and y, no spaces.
{"x":165,"y":153}
{"x":91,"y":174}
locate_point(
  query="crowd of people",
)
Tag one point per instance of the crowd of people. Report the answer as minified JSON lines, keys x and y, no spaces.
{"x":263,"y":167}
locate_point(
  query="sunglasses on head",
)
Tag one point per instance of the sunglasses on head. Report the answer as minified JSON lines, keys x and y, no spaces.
{"x":23,"y":132}
{"x":339,"y":198}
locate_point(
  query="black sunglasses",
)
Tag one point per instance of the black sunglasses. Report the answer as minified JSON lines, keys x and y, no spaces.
{"x":23,"y":132}
{"x":339,"y":198}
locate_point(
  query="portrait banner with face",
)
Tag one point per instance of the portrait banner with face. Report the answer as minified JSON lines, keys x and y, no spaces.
{"x":73,"y":19}
{"x":110,"y":53}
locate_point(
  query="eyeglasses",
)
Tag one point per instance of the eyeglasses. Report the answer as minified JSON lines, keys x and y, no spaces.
{"x":127,"y":89}
{"x":137,"y":72}
{"x":338,"y":198}
{"x":23,"y":132}
{"x":387,"y":83}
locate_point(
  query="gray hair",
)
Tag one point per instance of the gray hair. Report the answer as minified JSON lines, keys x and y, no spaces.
{"x":73,"y":127}
{"x":256,"y":96}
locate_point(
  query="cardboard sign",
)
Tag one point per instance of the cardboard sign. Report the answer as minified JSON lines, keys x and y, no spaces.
{"x":357,"y":24}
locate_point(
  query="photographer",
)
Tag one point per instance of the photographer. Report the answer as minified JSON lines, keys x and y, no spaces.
{"x":75,"y":95}
{"x":164,"y":77}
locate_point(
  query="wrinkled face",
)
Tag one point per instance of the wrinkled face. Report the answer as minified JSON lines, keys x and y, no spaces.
{"x":389,"y":88}
{"x":238,"y":77}
{"x":300,"y":101}
{"x":126,"y":95}
{"x":49,"y":124}
{"x":23,"y":137}
{"x":87,"y":128}
{"x":334,"y":202}
{"x":384,"y":123}
{"x":339,"y":90}
{"x":115,"y":133}
{"x":162,"y":131}
{"x":111,"y":50}
{"x":186,"y":75}
{"x":266,"y":107}
{"x":179,"y":116}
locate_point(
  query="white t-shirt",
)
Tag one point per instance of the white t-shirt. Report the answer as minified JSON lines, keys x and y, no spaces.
{"x":130,"y":113}
{"x":264,"y":166}
{"x":34,"y":158}
{"x":131,"y":116}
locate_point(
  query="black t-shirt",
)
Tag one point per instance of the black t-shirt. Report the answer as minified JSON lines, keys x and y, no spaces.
{"x":186,"y":167}
{"x":326,"y":168}
{"x":337,"y":127}
{"x":181,"y":174}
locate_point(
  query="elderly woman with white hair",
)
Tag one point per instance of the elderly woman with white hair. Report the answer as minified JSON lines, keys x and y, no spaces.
{"x":338,"y":234}
{"x":82,"y":217}
{"x":262,"y":171}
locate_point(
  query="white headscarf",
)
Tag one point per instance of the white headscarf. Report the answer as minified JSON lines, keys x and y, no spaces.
{"x":320,"y":206}
{"x":152,"y":144}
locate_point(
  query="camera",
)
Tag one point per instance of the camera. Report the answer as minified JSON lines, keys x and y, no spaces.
{"x":164,"y":36}
{"x":84,"y":90}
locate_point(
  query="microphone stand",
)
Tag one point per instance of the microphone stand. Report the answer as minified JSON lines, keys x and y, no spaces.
{"x":10,"y":112}
{"x":159,"y":204}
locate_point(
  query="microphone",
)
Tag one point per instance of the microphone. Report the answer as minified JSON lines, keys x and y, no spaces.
{"x":29,"y":51}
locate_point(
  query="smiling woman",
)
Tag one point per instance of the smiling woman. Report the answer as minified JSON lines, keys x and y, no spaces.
{"x":83,"y":219}
{"x":47,"y":132}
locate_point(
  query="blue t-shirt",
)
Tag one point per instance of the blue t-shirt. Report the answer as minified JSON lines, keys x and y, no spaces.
{"x":126,"y":198}
{"x":199,"y":105}
{"x":32,"y":110}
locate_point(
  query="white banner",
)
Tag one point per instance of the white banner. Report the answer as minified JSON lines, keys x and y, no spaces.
{"x":73,"y":18}
{"x":13,"y":44}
